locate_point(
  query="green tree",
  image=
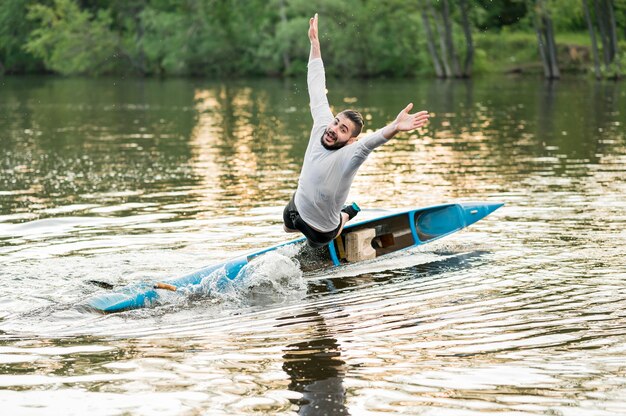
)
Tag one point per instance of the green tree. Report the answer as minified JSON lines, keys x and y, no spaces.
{"x":620,"y":15}
{"x":231,"y":36}
{"x":607,"y":31}
{"x":71,"y":41}
{"x":443,"y":23}
{"x":165,"y":40}
{"x":205,"y":37}
{"x":567,"y":15}
{"x":544,"y":29}
{"x":498,"y":14}
{"x":14,"y":30}
{"x":361,"y":38}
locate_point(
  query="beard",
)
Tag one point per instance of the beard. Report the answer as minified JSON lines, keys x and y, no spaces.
{"x":335,"y":145}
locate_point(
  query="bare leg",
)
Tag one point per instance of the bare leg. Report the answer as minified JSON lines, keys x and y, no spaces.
{"x":344,"y":219}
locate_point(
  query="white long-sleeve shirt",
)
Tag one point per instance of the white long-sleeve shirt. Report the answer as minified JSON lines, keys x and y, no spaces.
{"x":327,"y":175}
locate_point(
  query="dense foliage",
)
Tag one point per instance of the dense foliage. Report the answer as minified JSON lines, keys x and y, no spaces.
{"x":246,"y":37}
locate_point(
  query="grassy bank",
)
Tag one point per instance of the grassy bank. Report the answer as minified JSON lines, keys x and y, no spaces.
{"x":517,"y":52}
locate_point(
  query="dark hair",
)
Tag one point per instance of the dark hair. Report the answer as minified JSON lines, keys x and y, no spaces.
{"x":356,"y":118}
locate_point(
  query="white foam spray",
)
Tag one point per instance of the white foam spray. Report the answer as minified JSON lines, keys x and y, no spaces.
{"x":273,"y":277}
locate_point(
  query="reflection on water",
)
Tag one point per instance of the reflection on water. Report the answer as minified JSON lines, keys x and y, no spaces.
{"x":316,"y":370}
{"x":116,"y":181}
{"x":70,"y":144}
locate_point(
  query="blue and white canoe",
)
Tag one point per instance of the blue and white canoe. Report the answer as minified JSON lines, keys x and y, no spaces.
{"x":359,"y":241}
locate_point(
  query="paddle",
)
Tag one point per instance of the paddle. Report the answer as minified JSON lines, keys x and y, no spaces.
{"x":109,"y":286}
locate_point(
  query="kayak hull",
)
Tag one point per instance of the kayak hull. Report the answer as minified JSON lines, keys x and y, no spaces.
{"x":359,"y":241}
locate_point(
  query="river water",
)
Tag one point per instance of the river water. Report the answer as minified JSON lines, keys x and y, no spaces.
{"x":119,"y":180}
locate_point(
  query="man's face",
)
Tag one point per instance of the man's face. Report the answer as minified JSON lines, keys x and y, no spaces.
{"x":338,"y":133}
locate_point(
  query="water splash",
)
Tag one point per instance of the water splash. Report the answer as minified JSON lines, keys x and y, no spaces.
{"x":270,"y":278}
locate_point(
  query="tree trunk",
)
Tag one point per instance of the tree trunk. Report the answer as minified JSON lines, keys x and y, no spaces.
{"x":603,"y":33}
{"x":542,"y":53}
{"x":432,"y":49}
{"x":594,"y":41}
{"x":549,"y":31}
{"x":449,"y":40}
{"x":545,"y":40}
{"x":613,"y":35}
{"x":540,"y":42}
{"x":442,"y":44}
{"x":610,"y":28}
{"x":469,"y":42}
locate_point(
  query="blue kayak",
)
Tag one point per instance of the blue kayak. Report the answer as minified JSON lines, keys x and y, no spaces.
{"x":358,"y":242}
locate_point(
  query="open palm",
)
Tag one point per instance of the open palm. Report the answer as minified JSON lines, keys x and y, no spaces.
{"x":408,"y":122}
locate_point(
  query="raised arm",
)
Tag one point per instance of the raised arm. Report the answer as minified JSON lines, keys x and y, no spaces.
{"x":316,"y":78}
{"x":406,"y":122}
{"x":313,"y":37}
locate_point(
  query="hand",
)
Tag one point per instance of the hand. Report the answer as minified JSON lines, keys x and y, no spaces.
{"x":408,"y":122}
{"x":313,"y":37}
{"x":313,"y":29}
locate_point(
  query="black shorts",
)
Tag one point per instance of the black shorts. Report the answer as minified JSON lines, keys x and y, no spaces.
{"x":315,"y":238}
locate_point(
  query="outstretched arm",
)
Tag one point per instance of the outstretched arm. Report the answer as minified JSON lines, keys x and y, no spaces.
{"x":316,"y":78}
{"x":406,"y":122}
{"x":315,"y":41}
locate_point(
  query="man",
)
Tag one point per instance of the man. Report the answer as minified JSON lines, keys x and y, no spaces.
{"x":333,"y":157}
